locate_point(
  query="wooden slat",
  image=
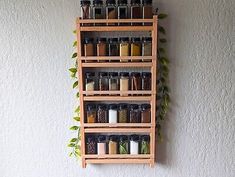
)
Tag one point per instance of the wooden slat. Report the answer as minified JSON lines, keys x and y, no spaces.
{"x":114,"y":58}
{"x":140,"y":93}
{"x":117,"y":65}
{"x":117,"y":125}
{"x":117,"y":98}
{"x":118,"y":156}
{"x":113,"y":20}
{"x":118,"y":161}
{"x":116,"y":28}
{"x":117,"y":130}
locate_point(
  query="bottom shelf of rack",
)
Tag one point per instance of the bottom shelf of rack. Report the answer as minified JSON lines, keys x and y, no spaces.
{"x":117,"y":156}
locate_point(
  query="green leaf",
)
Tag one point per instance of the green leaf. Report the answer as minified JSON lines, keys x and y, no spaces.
{"x":164,"y":61}
{"x":162,"y":16}
{"x":75,"y":55}
{"x":77,"y":118}
{"x":73,"y":140}
{"x":161,"y":30}
{"x":75,"y":43}
{"x":77,"y":94}
{"x":73,"y":75}
{"x":75,"y":84}
{"x":77,"y":109}
{"x":70,"y":154}
{"x":162,"y":50}
{"x":71,"y":145}
{"x":74,"y":128}
{"x":73,"y":70}
{"x":162,"y":40}
{"x":74,"y":31}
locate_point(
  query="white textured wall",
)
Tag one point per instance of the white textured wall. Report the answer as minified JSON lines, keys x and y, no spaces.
{"x":36,"y":99}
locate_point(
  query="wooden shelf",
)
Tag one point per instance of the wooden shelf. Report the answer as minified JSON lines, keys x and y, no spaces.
{"x":119,"y":125}
{"x":120,"y":161}
{"x":117,"y":98}
{"x":115,"y":58}
{"x":130,"y":93}
{"x":117,"y":65}
{"x":94,"y":21}
{"x":117,"y":130}
{"x":118,"y":156}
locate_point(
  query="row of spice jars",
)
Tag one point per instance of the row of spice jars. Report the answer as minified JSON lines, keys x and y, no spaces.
{"x":119,"y":10}
{"x":113,"y":81}
{"x":118,"y":113}
{"x":114,"y":144}
{"x":118,"y":47}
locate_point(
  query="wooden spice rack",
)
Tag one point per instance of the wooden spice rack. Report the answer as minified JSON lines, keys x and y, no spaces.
{"x":148,"y":128}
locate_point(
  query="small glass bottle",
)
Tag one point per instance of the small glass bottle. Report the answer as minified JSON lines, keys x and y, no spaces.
{"x":88,"y":48}
{"x":147,"y":48}
{"x":98,"y":11}
{"x":113,"y":82}
{"x":85,"y":9}
{"x":135,"y":81}
{"x":145,"y":113}
{"x":90,"y":144}
{"x":91,"y":113}
{"x":101,"y":48}
{"x":111,"y":10}
{"x":146,"y":81}
{"x":101,"y":145}
{"x":122,"y":11}
{"x":134,"y":113}
{"x":123,"y":144}
{"x":112,"y":113}
{"x":113,"y":47}
{"x":145,"y":144}
{"x":113,"y":144}
{"x":134,"y":144}
{"x":103,"y":81}
{"x":135,"y":47}
{"x":147,"y":10}
{"x":122,"y":113}
{"x":136,"y":11}
{"x":124,"y":82}
{"x":102,"y":115}
{"x":124,"y":47}
{"x":90,"y":82}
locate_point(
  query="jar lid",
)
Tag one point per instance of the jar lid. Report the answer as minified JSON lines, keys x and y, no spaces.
{"x":88,"y":40}
{"x":113,"y":138}
{"x":91,"y":107}
{"x":123,"y":138}
{"x":101,"y":39}
{"x":124,"y":39}
{"x":97,"y":2}
{"x":122,"y":2}
{"x":145,"y":106}
{"x":85,"y":2}
{"x":135,"y":138}
{"x":101,"y":138}
{"x":135,"y":74}
{"x":135,"y":1}
{"x":124,"y":74}
{"x":102,"y":106}
{"x":113,"y":74}
{"x":90,"y":74}
{"x":113,"y":40}
{"x":147,"y":2}
{"x":110,"y":2}
{"x":90,"y":138}
{"x":135,"y":39}
{"x":112,"y":106}
{"x":145,"y":138}
{"x":146,"y":74}
{"x":147,"y":39}
{"x":123,"y":106}
{"x":103,"y":74}
{"x":134,"y":106}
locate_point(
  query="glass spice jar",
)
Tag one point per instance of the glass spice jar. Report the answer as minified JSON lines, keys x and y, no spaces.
{"x":134,"y":144}
{"x":113,"y":139}
{"x":146,"y":81}
{"x":136,"y":11}
{"x":98,"y":11}
{"x":135,"y":47}
{"x":134,"y":113}
{"x":88,"y":48}
{"x":101,"y":48}
{"x":111,"y":10}
{"x":90,"y":144}
{"x":122,"y":11}
{"x":112,"y":113}
{"x":91,"y":113}
{"x":85,"y":9}
{"x":101,"y":145}
{"x":102,"y":115}
{"x":113,"y":82}
{"x":124,"y":47}
{"x":146,"y":48}
{"x":113,"y":48}
{"x":122,"y":113}
{"x":135,"y":81}
{"x":145,"y":113}
{"x":124,"y":82}
{"x":103,"y":81}
{"x":123,"y":144}
{"x":145,"y":144}
{"x":147,"y":10}
{"x":90,"y":82}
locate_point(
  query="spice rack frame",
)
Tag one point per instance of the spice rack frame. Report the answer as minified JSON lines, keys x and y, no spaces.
{"x":148,"y":128}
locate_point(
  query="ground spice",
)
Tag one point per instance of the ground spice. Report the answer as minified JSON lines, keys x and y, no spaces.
{"x":91,"y":113}
{"x":112,"y":144}
{"x":147,"y":10}
{"x":90,"y":145}
{"x":135,"y":48}
{"x":101,"y":145}
{"x":136,"y":11}
{"x":134,"y":113}
{"x":124,"y":47}
{"x":102,"y":116}
{"x":147,"y":48}
{"x":124,"y":83}
{"x":122,"y":113}
{"x":88,"y":48}
{"x":146,"y":81}
{"x":101,"y":48}
{"x":113,"y":47}
{"x":113,"y":82}
{"x":145,"y":113}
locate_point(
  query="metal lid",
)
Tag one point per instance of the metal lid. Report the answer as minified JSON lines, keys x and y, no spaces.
{"x":113,"y":74}
{"x":85,"y":2}
{"x":97,"y":2}
{"x":113,"y":137}
{"x":102,"y":106}
{"x":122,"y":2}
{"x":147,"y":39}
{"x":123,"y":138}
{"x":90,"y":138}
{"x":124,"y":39}
{"x":101,"y":39}
{"x":135,"y":74}
{"x":101,"y":138}
{"x":135,"y":39}
{"x":103,"y":74}
{"x":113,"y":40}
{"x":124,"y":74}
{"x":88,"y":40}
{"x":112,"y":106}
{"x":90,"y":74}
{"x":134,"y":137}
{"x":145,"y":2}
{"x":111,"y":2}
{"x":146,"y":74}
{"x":134,"y":106}
{"x":91,"y":107}
{"x":145,"y":138}
{"x":123,"y":106}
{"x":145,"y":106}
{"x":135,"y":1}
